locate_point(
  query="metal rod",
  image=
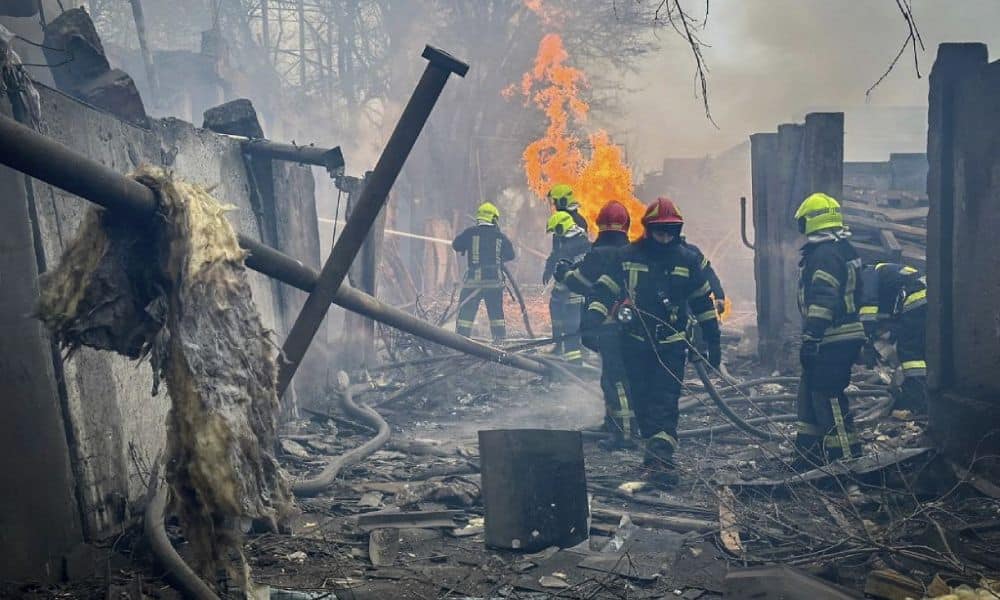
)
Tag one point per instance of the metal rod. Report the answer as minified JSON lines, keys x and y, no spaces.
{"x":743,"y":223}
{"x":332,"y":159}
{"x":46,"y":159}
{"x":372,"y":198}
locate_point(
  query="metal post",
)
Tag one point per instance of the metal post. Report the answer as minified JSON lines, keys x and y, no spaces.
{"x":376,"y":190}
{"x":743,"y":222}
{"x":331,"y":159}
{"x":46,"y":159}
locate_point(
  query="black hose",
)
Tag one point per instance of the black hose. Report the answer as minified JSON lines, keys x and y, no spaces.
{"x":699,"y":366}
{"x":177,"y":573}
{"x":519,"y":298}
{"x":319,"y":483}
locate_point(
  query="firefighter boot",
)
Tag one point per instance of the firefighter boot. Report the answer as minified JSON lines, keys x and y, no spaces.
{"x":808,"y":454}
{"x":658,"y":462}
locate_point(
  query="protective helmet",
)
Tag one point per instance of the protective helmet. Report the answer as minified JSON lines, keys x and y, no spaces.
{"x":562,"y":197}
{"x":488,"y":213}
{"x":560,"y":223}
{"x":613,"y":217}
{"x":662,"y":210}
{"x":818,"y":212}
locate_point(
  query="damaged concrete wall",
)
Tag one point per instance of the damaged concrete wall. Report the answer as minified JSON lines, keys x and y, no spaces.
{"x":786,"y":167}
{"x":96,"y":428}
{"x":963,"y":266}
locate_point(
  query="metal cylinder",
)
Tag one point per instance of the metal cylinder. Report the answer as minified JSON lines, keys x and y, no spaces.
{"x":331,"y":159}
{"x":534,"y":488}
{"x":372,"y":199}
{"x":47,"y":160}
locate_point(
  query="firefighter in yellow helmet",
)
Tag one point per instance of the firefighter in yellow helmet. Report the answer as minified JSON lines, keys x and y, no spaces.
{"x":564,"y":199}
{"x":486,"y":249}
{"x":570,"y":244}
{"x":832,"y":334}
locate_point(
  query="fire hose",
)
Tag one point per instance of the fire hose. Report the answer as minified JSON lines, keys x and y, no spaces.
{"x":520,"y":300}
{"x":177,"y":572}
{"x":319,"y":483}
{"x":735,"y":419}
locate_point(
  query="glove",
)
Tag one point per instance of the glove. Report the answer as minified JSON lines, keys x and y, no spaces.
{"x":808,"y":352}
{"x":562,"y":268}
{"x":546,"y":276}
{"x":720,"y":306}
{"x":715,"y":356}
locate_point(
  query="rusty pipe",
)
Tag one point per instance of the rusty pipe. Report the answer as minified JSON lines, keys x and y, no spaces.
{"x":743,"y":223}
{"x":331,"y":159}
{"x":373,"y":195}
{"x":45,"y":159}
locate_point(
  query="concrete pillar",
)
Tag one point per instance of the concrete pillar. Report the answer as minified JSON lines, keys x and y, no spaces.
{"x":785,"y":168}
{"x":963,"y":254}
{"x":39,"y":514}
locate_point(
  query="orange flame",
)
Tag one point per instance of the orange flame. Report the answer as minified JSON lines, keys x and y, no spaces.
{"x":557,"y":157}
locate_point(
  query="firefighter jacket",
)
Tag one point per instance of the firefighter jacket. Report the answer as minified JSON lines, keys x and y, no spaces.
{"x":571,"y":248}
{"x":486,"y":249}
{"x":830,"y":289}
{"x":888,"y":291}
{"x":708,"y":270}
{"x":598,"y":261}
{"x":666,"y":286}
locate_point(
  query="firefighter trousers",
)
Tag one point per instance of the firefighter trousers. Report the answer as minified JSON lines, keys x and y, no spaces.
{"x":565,"y":309}
{"x":468,"y":302}
{"x":619,"y":415}
{"x":655,"y":372}
{"x":909,"y":332}
{"x":825,"y":426}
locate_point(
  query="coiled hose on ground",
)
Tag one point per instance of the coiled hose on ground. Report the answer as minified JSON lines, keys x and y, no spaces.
{"x":322,"y":481}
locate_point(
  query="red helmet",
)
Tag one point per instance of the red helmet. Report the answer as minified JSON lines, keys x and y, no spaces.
{"x":662,"y":210}
{"x":613,"y":217}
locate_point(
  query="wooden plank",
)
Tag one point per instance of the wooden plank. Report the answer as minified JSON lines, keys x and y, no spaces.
{"x":893,"y":214}
{"x":909,"y":230}
{"x":729,"y":531}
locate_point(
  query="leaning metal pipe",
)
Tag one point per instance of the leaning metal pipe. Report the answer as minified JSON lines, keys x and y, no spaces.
{"x":47,"y":160}
{"x":363,"y":215}
{"x":322,"y":481}
{"x":331,"y":159}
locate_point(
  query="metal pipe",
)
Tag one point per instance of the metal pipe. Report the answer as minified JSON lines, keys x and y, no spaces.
{"x":331,"y":159}
{"x":370,"y":202}
{"x":743,"y":223}
{"x":46,"y":159}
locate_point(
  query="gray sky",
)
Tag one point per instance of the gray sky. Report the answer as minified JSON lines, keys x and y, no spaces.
{"x":773,"y":60}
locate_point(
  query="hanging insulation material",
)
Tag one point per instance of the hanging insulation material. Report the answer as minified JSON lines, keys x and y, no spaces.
{"x":175,"y":289}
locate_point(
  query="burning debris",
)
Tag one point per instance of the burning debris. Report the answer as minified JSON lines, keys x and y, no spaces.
{"x":194,"y":317}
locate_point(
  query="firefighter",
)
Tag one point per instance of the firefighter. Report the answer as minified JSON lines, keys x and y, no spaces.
{"x":832,"y":334}
{"x":562,"y":198}
{"x":487,"y":248}
{"x":569,"y":243}
{"x":600,"y":333}
{"x":654,"y":287}
{"x":894,"y":299}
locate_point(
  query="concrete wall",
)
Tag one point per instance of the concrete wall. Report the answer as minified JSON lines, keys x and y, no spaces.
{"x":963,"y":252}
{"x":95,"y":429}
{"x":786,"y":167}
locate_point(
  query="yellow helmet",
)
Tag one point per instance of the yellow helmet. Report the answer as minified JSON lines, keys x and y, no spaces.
{"x":818,"y":212}
{"x":560,"y":223}
{"x":488,"y":213}
{"x":562,"y":196}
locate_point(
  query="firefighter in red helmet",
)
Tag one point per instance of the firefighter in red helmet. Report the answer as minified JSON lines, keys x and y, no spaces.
{"x":654,"y":287}
{"x":599,"y":331}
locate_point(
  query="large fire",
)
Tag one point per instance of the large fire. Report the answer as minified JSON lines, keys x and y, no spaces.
{"x":557,"y":157}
